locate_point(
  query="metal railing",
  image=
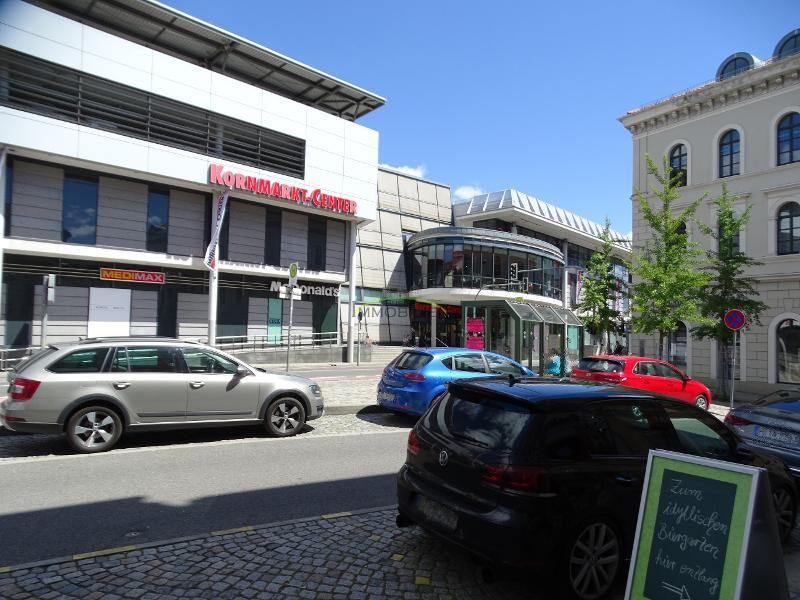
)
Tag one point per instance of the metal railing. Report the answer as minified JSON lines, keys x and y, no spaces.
{"x":10,"y":357}
{"x":238,"y":343}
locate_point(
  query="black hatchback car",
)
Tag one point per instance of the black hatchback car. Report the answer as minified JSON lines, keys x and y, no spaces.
{"x":537,"y":473}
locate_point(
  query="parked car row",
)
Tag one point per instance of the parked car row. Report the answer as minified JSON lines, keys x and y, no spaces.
{"x":95,"y":389}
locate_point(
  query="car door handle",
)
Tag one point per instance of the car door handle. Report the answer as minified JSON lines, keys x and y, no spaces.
{"x":121,"y":385}
{"x":196,"y":385}
{"x":624,"y":479}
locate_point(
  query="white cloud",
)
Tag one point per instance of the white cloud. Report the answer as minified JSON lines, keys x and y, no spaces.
{"x":463,"y":192}
{"x":418,"y":171}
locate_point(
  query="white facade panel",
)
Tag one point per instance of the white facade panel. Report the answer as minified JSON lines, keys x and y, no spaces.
{"x":365,"y":154}
{"x":324,"y":122}
{"x":32,"y":30}
{"x":235,"y":110}
{"x":273,"y":104}
{"x":181,"y":92}
{"x":179,"y":71}
{"x":318,"y":158}
{"x":223,"y":86}
{"x":365,"y":172}
{"x":39,"y":133}
{"x":97,"y":146}
{"x":325,"y":140}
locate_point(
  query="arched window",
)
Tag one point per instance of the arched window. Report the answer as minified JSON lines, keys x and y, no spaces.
{"x":789,"y":139}
{"x":729,"y":154}
{"x":679,"y":162}
{"x":682,"y":228}
{"x":790,"y":44}
{"x":789,"y":228}
{"x":788,"y":351}
{"x":735,"y":66}
{"x":677,"y":346}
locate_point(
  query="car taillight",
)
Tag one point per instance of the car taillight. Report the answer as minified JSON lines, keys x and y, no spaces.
{"x":514,"y":477}
{"x":414,"y":376}
{"x":24,"y":389}
{"x":414,"y":445}
{"x":736,"y":420}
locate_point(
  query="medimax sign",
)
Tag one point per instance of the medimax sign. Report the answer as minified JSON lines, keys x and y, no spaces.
{"x":219,"y":175}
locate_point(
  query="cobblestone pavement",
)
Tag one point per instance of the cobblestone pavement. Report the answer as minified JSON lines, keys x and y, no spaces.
{"x":347,"y":556}
{"x":17,"y":445}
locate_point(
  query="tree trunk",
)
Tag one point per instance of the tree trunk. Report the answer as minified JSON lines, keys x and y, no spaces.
{"x":723,"y":371}
{"x":661,"y":345}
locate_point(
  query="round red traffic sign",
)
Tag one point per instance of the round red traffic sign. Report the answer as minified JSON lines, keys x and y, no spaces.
{"x":734,"y":319}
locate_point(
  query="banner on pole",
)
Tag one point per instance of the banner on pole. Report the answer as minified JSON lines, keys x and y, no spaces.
{"x":210,"y":260}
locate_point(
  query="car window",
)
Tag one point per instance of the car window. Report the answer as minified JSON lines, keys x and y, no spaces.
{"x":471,"y":363}
{"x":146,"y":359}
{"x":448,"y":362}
{"x":203,"y":361}
{"x":645,"y":368}
{"x":498,"y":364}
{"x":599,"y":439}
{"x":635,"y":429}
{"x":412,"y":361}
{"x":481,"y":421}
{"x":89,"y":360}
{"x":699,"y":433}
{"x":601,"y":365}
{"x":563,"y":436}
{"x":663,"y":370}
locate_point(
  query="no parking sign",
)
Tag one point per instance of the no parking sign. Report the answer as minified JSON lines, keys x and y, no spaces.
{"x":734,"y":319}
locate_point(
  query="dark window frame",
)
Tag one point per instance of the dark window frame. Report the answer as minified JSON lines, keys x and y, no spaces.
{"x":679,"y":163}
{"x":729,"y":146}
{"x":273,"y":235}
{"x":85,"y":178}
{"x":156,"y":242}
{"x":317,"y":242}
{"x":789,"y":213}
{"x":789,"y":126}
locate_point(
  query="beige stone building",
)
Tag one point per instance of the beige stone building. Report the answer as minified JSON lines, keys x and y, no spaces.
{"x":742,"y":129}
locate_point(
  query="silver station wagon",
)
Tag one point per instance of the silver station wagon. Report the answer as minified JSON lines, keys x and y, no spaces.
{"x":96,"y":389}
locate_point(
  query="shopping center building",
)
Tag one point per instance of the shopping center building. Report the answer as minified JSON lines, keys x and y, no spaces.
{"x":120,"y":124}
{"x":741,"y":129}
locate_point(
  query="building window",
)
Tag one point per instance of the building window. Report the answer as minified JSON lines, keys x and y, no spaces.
{"x":317,"y":242}
{"x":157,"y":220}
{"x":789,"y":45}
{"x":734,"y":245}
{"x":735,"y":66}
{"x":789,"y":139}
{"x":729,"y":154}
{"x":681,"y":228}
{"x":677,"y":346}
{"x":678,"y":162}
{"x":789,"y":228}
{"x":788,"y":351}
{"x":272,"y":246}
{"x":79,"y":218}
{"x":9,"y":191}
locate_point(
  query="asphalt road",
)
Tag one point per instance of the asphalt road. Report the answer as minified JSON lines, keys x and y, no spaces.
{"x":53,"y":506}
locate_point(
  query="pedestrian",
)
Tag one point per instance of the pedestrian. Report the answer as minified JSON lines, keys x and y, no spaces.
{"x":618,"y":349}
{"x":553,"y":365}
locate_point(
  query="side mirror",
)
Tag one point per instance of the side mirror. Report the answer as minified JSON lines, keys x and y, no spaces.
{"x":685,"y":377}
{"x":242,"y":371}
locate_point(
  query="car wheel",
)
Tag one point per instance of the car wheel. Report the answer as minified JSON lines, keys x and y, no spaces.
{"x":593,"y":560}
{"x":285,"y":416}
{"x":701,"y":401}
{"x":785,"y":511}
{"x":93,"y":429}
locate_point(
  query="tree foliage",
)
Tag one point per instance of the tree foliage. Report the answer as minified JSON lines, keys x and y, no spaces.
{"x":728,"y":286}
{"x":668,"y":272}
{"x":600,"y":288}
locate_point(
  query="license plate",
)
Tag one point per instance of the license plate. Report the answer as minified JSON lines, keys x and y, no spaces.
{"x":388,"y":396}
{"x":775,"y":436}
{"x":436,"y":513}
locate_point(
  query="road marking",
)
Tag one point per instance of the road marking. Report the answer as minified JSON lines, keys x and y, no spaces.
{"x":234,"y":530}
{"x":105,"y":552}
{"x":346,"y":513}
{"x":422,"y":580}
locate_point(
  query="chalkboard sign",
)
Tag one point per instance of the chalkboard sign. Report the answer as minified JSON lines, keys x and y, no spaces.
{"x":693,"y":529}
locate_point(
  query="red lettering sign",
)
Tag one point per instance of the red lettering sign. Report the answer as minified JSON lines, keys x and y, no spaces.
{"x":217,"y":175}
{"x":135,"y":276}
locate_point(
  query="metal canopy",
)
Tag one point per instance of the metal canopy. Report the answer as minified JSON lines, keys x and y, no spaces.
{"x":525,"y":312}
{"x":568,"y":316}
{"x":163,"y":28}
{"x":548,"y":314}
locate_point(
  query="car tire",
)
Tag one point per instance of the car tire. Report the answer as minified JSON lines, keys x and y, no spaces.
{"x":701,"y":401}
{"x":93,"y":429}
{"x":285,"y":416}
{"x":785,"y":511}
{"x":592,"y":560}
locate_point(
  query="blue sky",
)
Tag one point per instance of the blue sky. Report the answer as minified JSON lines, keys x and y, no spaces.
{"x":491,"y":95}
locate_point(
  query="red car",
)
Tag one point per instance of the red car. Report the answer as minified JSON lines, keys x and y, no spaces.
{"x":649,"y":374}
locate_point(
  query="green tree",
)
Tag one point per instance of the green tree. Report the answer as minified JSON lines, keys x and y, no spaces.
{"x":728,"y":286}
{"x":668,"y":273}
{"x":599,"y":290}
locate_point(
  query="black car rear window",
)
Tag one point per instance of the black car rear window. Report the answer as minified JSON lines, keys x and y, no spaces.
{"x":482,"y":421}
{"x":412,"y":361}
{"x":601,"y":365}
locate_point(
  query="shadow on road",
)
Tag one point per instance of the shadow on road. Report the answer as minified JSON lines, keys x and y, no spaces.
{"x":378,"y":416}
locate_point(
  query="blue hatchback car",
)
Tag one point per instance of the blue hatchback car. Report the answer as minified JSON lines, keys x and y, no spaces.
{"x":412,"y":380}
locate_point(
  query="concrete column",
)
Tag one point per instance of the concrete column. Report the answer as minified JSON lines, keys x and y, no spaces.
{"x":433,"y":326}
{"x":3,"y":175}
{"x":352,"y":294}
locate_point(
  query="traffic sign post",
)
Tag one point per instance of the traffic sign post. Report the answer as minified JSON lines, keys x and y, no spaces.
{"x":734,"y":320}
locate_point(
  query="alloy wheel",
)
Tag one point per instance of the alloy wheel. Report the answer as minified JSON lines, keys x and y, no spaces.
{"x":784,"y":511}
{"x":95,"y":429}
{"x":701,"y":402}
{"x":593,"y":561}
{"x":285,"y":417}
